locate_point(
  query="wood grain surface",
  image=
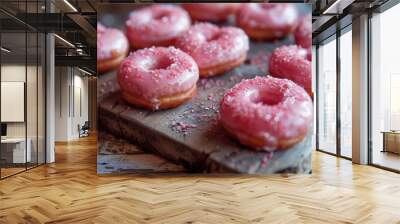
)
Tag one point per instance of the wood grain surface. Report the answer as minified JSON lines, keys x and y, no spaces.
{"x":70,"y":191}
{"x":119,"y":156}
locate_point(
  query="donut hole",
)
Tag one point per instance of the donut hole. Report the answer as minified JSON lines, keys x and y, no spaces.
{"x":268,"y":98}
{"x":162,"y":63}
{"x":158,"y":63}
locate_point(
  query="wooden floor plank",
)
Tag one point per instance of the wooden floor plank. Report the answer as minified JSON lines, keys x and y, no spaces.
{"x":70,"y":191}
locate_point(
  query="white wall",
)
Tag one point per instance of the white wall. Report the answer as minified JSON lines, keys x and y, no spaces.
{"x":80,"y":105}
{"x":62,"y":82}
{"x":11,"y":73}
{"x":71,"y":93}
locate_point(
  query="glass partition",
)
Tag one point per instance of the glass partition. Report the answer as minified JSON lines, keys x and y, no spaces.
{"x":22,"y":92}
{"x":14,"y":151}
{"x":31,"y":99}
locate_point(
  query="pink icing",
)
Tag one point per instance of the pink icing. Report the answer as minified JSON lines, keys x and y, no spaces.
{"x":156,"y":23}
{"x":110,"y":42}
{"x":210,"y":45}
{"x":213,"y":12}
{"x":309,"y":54}
{"x":267,"y":108}
{"x":291,"y":62}
{"x":303,"y":33}
{"x":267,"y":16}
{"x":156,"y":72}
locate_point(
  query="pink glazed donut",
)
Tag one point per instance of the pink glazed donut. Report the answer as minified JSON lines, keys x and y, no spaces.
{"x":291,"y":62}
{"x":267,"y":21}
{"x":303,"y":32}
{"x":158,"y":78}
{"x":156,"y":25}
{"x":212,"y":12}
{"x":112,"y":48}
{"x":267,"y":113}
{"x":215,"y":50}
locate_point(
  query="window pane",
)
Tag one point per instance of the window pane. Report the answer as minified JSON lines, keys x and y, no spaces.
{"x":346,"y":93}
{"x":385,"y":89}
{"x":327,"y":96}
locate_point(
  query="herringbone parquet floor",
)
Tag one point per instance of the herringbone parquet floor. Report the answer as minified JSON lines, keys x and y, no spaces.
{"x":69,"y":191}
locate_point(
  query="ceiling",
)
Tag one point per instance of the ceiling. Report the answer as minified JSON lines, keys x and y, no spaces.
{"x":75,"y":21}
{"x":330,"y":15}
{"x":72,"y":20}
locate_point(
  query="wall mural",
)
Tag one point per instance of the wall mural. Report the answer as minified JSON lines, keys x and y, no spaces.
{"x":204,"y":88}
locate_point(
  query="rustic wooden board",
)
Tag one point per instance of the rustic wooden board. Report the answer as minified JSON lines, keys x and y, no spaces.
{"x":119,"y":156}
{"x":190,"y":135}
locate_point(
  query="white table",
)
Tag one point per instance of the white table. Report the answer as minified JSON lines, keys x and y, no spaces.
{"x":18,"y":149}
